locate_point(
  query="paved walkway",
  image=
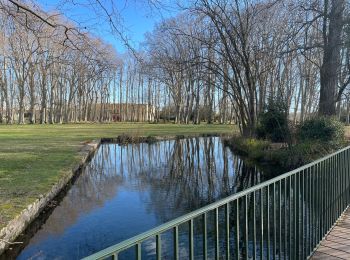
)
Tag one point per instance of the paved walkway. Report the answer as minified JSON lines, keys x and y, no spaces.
{"x":336,"y":244}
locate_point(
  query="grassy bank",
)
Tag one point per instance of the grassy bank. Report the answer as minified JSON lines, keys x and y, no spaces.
{"x":34,"y":157}
{"x":279,"y":155}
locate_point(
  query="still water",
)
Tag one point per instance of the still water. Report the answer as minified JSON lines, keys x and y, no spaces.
{"x":128,"y":189}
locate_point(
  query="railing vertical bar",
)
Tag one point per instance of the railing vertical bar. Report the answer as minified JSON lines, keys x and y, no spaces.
{"x":205,"y":244}
{"x":176,"y":242}
{"x":327,"y":189}
{"x":158,"y":246}
{"x":324,"y":198}
{"x":115,"y":256}
{"x":191,"y":256}
{"x":274,"y":219}
{"x":347,"y":176}
{"x":333,"y":189}
{"x":305,"y":213}
{"x":312,"y":207}
{"x":309,"y":224}
{"x":302,"y":200}
{"x":319,"y":201}
{"x":280,"y":219}
{"x":334,"y":213}
{"x":295,"y":215}
{"x":317,"y":189}
{"x":285,"y":218}
{"x":338,"y":185}
{"x":217,"y":242}
{"x":334,"y":182}
{"x":268,"y":220}
{"x":317,"y":213}
{"x":341,"y":182}
{"x":344,"y":180}
{"x":254,"y":225}
{"x":227,"y":231}
{"x":290,"y":216}
{"x":261,"y":224}
{"x":237,"y":229}
{"x":336,"y":175}
{"x":330,"y":191}
{"x":138,"y":251}
{"x":246,"y":234}
{"x":298,"y":214}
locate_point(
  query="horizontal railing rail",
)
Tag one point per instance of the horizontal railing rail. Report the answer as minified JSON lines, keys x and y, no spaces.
{"x":283,"y":218}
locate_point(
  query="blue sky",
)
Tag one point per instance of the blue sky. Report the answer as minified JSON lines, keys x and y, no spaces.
{"x":138,"y":19}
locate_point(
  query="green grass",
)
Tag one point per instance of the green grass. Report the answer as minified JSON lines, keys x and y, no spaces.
{"x":35,"y":157}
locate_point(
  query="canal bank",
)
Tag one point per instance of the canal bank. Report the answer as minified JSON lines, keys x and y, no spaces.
{"x":140,"y":178}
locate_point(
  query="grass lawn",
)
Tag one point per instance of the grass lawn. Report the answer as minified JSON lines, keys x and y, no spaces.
{"x":34,"y":157}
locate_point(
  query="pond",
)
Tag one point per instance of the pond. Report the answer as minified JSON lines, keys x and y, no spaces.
{"x":128,"y":189}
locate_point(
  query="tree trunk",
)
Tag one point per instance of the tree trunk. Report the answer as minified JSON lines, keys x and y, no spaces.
{"x":331,"y":57}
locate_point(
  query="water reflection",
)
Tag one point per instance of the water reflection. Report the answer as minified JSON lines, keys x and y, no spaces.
{"x":126,"y":190}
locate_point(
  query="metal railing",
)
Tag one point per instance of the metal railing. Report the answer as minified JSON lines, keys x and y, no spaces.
{"x":283,"y":218}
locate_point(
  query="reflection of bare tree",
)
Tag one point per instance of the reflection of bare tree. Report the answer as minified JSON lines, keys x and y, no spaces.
{"x":181,"y":175}
{"x":200,"y":171}
{"x":98,"y":183}
{"x":173,"y":177}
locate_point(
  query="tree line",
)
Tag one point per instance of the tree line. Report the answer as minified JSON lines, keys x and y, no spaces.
{"x":215,"y":61}
{"x":249,"y":54}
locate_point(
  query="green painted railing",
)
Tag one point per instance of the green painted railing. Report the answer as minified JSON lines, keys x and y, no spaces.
{"x":283,"y":218}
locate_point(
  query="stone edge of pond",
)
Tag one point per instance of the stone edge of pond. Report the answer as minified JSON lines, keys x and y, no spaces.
{"x":18,"y":225}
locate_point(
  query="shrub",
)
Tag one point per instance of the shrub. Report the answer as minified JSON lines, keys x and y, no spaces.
{"x":250,"y":147}
{"x":298,"y":154}
{"x":273,"y":123}
{"x":322,"y":129}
